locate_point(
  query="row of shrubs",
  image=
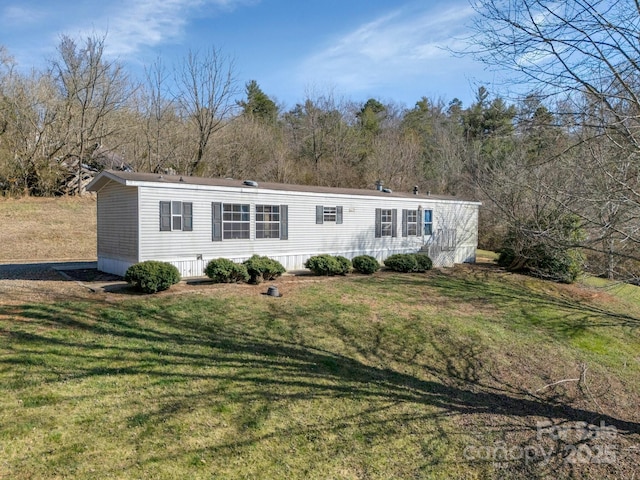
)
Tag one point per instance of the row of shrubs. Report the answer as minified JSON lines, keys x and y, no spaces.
{"x":338,"y":265}
{"x":253,"y":270}
{"x":153,"y":276}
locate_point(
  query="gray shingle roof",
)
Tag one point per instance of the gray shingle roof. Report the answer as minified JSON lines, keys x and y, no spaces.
{"x":126,"y":177}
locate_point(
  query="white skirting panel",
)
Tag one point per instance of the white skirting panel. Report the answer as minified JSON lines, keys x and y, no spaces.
{"x":113,"y":266}
{"x":194,"y":267}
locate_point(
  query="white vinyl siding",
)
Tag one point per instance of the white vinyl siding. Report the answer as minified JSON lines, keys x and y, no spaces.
{"x":117,"y":213}
{"x":304,"y":237}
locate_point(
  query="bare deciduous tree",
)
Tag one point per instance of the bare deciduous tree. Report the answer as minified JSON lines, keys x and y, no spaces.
{"x":206,"y":89}
{"x":92,"y":88}
{"x":584,"y":52}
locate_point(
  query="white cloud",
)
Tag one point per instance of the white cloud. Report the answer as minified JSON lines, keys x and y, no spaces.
{"x":19,"y":15}
{"x":149,"y":23}
{"x":402,"y":44}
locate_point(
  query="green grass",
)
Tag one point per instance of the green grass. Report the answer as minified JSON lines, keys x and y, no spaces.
{"x":388,"y":376}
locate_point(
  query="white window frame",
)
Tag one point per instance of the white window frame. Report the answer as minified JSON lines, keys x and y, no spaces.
{"x":386,"y":222}
{"x":236,"y":221}
{"x":268,"y":221}
{"x":412,"y":223}
{"x":329,"y":214}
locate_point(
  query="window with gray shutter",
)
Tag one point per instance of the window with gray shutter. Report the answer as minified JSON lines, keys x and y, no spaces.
{"x":328,"y":214}
{"x":187,"y":216}
{"x":394,"y":223}
{"x":165,"y":216}
{"x":410,"y":223}
{"x":284,"y":222}
{"x":216,"y":221}
{"x":176,"y":216}
{"x":405,"y":214}
{"x":268,"y":219}
{"x":386,"y":222}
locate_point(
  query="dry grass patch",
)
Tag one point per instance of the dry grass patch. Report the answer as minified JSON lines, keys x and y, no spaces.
{"x":48,"y":229}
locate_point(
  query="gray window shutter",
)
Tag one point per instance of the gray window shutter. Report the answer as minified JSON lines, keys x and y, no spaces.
{"x":394,"y":222}
{"x":338,"y":214}
{"x":420,"y":221}
{"x":284,"y":222}
{"x":187,"y":216}
{"x":378,"y":222}
{"x":405,"y":215}
{"x":216,"y":221}
{"x":319,"y":214}
{"x":165,"y":216}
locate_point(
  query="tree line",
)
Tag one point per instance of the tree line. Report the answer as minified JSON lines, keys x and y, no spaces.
{"x":556,"y":168}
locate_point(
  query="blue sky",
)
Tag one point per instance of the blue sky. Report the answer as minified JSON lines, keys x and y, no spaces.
{"x":391,"y":50}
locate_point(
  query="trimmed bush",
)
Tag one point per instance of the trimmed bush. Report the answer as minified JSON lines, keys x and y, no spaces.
{"x":263,"y":268}
{"x":223,"y":270}
{"x":152,"y":276}
{"x":365,"y":264}
{"x":402,"y":262}
{"x":424,"y":262}
{"x":326,"y":264}
{"x":345,"y":264}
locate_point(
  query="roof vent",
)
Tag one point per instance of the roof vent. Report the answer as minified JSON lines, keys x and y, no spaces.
{"x":250,"y":183}
{"x":386,"y":190}
{"x":415,"y":190}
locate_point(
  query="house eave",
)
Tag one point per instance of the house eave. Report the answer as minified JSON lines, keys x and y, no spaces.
{"x":229,"y":185}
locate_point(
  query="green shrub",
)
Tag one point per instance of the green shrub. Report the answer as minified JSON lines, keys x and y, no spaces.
{"x":345,"y":264}
{"x":326,"y":264}
{"x":506,"y":258}
{"x":223,"y":270}
{"x":365,"y":264}
{"x":424,"y":262}
{"x":528,"y":251}
{"x":152,"y":276}
{"x":263,"y":268}
{"x":402,"y":262}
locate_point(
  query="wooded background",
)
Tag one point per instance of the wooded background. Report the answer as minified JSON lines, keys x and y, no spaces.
{"x":556,"y":167}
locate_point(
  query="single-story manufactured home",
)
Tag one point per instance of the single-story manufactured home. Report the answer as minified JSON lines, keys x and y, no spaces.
{"x":188,"y":221}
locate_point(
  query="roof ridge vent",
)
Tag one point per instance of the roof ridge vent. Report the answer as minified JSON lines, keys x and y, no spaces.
{"x":250,"y":183}
{"x":387,"y":190}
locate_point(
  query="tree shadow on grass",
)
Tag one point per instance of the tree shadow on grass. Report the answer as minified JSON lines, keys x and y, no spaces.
{"x":165,"y":344}
{"x":479,"y":287}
